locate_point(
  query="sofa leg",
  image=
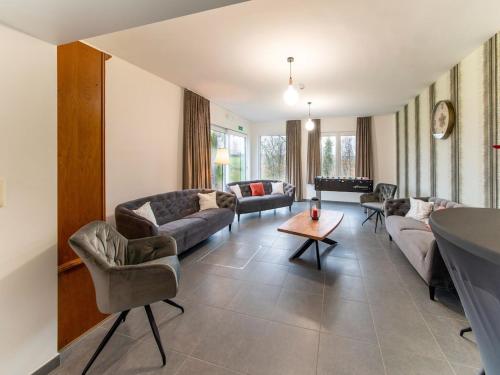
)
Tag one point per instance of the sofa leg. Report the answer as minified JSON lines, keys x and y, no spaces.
{"x":238,"y":218}
{"x":390,"y":238}
{"x":465,"y":330}
{"x":260,"y":213}
{"x":432,"y":292}
{"x":275,"y":212}
{"x":290,"y":208}
{"x":230,"y":227}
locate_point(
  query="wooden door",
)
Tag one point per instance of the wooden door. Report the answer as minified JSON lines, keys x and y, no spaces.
{"x":81,"y":195}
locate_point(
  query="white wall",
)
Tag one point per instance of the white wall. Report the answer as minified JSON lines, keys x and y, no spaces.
{"x":28,"y":254}
{"x":143,"y":134}
{"x":384,"y":150}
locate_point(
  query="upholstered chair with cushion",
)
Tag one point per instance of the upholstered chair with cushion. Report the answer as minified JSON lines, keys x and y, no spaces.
{"x":375,"y":201}
{"x":128,"y":273}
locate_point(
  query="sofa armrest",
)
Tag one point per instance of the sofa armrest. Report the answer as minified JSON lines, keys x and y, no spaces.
{"x":399,"y":207}
{"x":289,"y":190}
{"x":226,"y":200}
{"x":132,"y":225}
{"x":146,"y":249}
{"x":368,"y":197}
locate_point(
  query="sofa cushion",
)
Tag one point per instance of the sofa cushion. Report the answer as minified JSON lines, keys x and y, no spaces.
{"x":182,"y":229}
{"x":374,"y":205}
{"x":417,"y":241}
{"x":396,"y":224}
{"x":216,"y":214}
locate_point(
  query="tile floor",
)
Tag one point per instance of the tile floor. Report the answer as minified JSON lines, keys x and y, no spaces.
{"x":251,"y":311}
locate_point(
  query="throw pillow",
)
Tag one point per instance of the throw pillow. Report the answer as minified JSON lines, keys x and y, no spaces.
{"x":257,"y":188}
{"x":146,"y":212}
{"x":236,"y":190}
{"x":277,"y":188}
{"x":208,"y":200}
{"x":419,"y":210}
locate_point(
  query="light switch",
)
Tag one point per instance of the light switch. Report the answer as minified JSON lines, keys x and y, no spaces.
{"x":2,"y":193}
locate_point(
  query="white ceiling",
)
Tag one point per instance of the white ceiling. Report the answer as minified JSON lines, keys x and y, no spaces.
{"x":62,"y":21}
{"x":357,"y":57}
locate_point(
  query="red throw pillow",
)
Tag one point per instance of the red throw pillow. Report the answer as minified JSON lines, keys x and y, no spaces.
{"x":257,"y":188}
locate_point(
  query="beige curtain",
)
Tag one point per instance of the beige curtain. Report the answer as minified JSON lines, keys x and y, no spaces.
{"x":196,"y":139}
{"x":293,"y":156}
{"x":364,"y":159}
{"x":314,"y":152}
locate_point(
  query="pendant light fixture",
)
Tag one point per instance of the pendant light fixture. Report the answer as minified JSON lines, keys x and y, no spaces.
{"x":291,"y":95}
{"x":310,"y":122}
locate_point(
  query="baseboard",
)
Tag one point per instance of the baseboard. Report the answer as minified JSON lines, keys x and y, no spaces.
{"x":49,"y":366}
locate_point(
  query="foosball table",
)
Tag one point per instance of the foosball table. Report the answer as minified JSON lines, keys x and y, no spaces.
{"x":345,"y":184}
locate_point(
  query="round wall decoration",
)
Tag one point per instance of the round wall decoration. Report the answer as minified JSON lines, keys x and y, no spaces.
{"x":443,"y":119}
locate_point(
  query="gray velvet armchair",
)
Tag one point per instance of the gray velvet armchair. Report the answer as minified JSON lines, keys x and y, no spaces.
{"x":128,"y":273}
{"x":375,"y":201}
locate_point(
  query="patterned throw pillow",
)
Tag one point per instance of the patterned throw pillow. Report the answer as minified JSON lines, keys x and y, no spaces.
{"x":277,"y":188}
{"x":257,"y":189}
{"x":420,"y":210}
{"x":236,"y":190}
{"x":146,"y":212}
{"x":208,"y":201}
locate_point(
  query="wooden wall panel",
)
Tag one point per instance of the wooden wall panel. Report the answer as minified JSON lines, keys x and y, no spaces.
{"x":81,"y":195}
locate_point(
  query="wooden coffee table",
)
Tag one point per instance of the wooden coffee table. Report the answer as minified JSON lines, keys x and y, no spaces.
{"x":314,"y":230}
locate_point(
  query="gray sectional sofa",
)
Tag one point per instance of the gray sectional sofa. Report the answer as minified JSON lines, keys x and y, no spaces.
{"x":248,"y":203}
{"x":416,"y":240}
{"x":178,"y":215}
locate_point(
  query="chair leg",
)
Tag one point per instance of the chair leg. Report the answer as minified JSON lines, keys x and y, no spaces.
{"x":369,"y":217}
{"x":105,"y":340}
{"x":465,"y":330}
{"x":432,"y":292}
{"x":156,"y":334}
{"x":172,"y":303}
{"x":377,"y":217}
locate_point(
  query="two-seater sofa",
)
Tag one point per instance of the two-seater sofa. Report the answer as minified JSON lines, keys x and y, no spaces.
{"x":178,"y":215}
{"x":416,"y":240}
{"x":248,"y":203}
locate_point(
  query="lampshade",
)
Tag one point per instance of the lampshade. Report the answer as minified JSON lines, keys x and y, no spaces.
{"x":291,"y":95}
{"x":222,"y":156}
{"x":309,"y":125}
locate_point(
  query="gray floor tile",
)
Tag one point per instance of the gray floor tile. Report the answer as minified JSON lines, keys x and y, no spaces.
{"x":229,"y":342}
{"x":285,"y":350}
{"x":398,"y":362}
{"x":305,"y":280}
{"x":343,"y":356}
{"x":194,"y":366}
{"x":336,"y":265}
{"x":346,"y":287}
{"x":255,"y":299}
{"x":216,"y":291}
{"x":299,"y":309}
{"x":464,"y":370}
{"x":348,"y":319}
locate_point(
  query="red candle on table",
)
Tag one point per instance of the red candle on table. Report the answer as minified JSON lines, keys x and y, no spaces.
{"x":315,"y":213}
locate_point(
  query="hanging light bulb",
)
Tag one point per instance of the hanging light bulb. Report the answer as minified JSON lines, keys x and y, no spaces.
{"x":291,"y":95}
{"x":310,"y":122}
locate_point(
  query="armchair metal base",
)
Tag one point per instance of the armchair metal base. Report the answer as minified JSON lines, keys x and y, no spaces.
{"x":121,"y":319}
{"x":378,"y":217}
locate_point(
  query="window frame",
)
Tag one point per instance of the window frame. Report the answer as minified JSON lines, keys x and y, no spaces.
{"x":260,"y":151}
{"x":227,"y":132}
{"x":338,"y":151}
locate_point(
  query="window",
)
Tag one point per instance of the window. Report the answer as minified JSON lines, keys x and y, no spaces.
{"x":273,"y":157}
{"x":338,"y":155}
{"x":236,"y":147}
